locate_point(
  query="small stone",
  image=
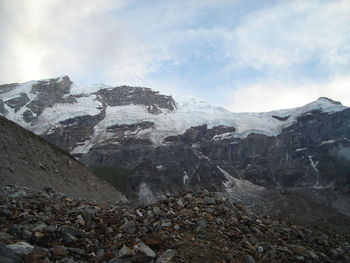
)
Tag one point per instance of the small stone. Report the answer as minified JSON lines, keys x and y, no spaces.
{"x":311,"y":254}
{"x":72,"y":231}
{"x":109,"y":230}
{"x":156,"y":210}
{"x":180,"y":202}
{"x":125,"y":252}
{"x":39,"y":234}
{"x":128,"y":227}
{"x":248,"y":259}
{"x":188,"y":196}
{"x":166,"y":257}
{"x":68,"y":238}
{"x":35,"y":257}
{"x":154,"y":242}
{"x":300,"y":258}
{"x":260,"y":249}
{"x":298,"y":249}
{"x":19,"y":194}
{"x":166,"y":223}
{"x":202,"y":223}
{"x":80,"y":220}
{"x":7,"y":255}
{"x":120,"y":260}
{"x":336,"y":252}
{"x":141,"y":247}
{"x":21,"y":248}
{"x":76,"y":251}
{"x":209,"y":201}
{"x":39,"y":228}
{"x":59,"y":251}
{"x":27,"y":234}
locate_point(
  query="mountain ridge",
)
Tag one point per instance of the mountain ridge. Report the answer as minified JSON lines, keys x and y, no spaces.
{"x":163,"y":146}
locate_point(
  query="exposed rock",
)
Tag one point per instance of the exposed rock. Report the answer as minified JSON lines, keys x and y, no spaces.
{"x":21,"y":248}
{"x":50,"y":92}
{"x":167,"y":256}
{"x":141,"y":247}
{"x":8,"y":256}
{"x":19,"y":102}
{"x":2,"y":107}
{"x":126,"y":95}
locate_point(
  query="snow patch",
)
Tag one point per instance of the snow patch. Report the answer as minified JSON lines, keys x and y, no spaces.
{"x":239,"y":186}
{"x":327,"y":142}
{"x":185,"y":178}
{"x":219,"y":137}
{"x":145,"y":194}
{"x":63,"y":111}
{"x":300,"y":149}
{"x":313,"y":164}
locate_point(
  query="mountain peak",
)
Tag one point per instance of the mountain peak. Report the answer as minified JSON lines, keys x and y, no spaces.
{"x":329,"y":100}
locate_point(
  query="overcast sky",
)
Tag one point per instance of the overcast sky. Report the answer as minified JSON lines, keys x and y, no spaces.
{"x":245,"y":55}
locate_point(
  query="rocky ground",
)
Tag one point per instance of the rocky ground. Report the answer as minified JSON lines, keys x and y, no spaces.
{"x":46,"y":226}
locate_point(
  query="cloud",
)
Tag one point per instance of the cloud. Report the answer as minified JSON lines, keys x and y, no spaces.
{"x":109,"y":40}
{"x":279,"y":94}
{"x":245,"y":55}
{"x":292,"y":33}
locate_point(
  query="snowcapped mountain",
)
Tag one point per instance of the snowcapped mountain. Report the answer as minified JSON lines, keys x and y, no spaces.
{"x":156,"y":145}
{"x":43,"y":106}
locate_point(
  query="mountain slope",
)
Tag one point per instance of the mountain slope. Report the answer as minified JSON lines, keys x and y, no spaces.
{"x":158,"y":146}
{"x":26,"y":159}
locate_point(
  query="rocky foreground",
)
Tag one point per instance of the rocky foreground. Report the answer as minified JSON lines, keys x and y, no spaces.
{"x":46,"y":226}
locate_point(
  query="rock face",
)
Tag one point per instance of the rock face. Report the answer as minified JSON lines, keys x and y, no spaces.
{"x":27,"y":159}
{"x":126,"y":95}
{"x":148,"y":146}
{"x":2,"y":107}
{"x":198,"y":226}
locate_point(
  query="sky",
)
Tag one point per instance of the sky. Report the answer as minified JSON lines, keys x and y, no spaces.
{"x":244,"y":55}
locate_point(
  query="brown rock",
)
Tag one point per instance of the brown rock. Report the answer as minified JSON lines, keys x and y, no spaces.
{"x":298,"y":249}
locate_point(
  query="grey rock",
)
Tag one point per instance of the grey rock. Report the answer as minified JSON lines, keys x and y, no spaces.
{"x":156,"y":210}
{"x":8,"y":256}
{"x":3,"y":111}
{"x":202,"y":223}
{"x":20,"y":193}
{"x":180,"y":202}
{"x":120,"y":260}
{"x":248,"y":259}
{"x":71,"y":230}
{"x":76,"y":251}
{"x":21,"y":248}
{"x":166,"y":223}
{"x":167,"y":256}
{"x":19,"y":102}
{"x":128,"y":227}
{"x":39,"y":227}
{"x":209,"y":201}
{"x":27,"y":234}
{"x":5,"y":236}
{"x":311,"y":254}
{"x":141,"y":247}
{"x":125,"y":252}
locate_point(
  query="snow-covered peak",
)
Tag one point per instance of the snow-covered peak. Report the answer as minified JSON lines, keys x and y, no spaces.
{"x":131,"y":105}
